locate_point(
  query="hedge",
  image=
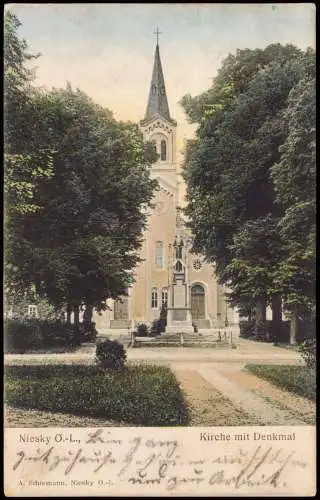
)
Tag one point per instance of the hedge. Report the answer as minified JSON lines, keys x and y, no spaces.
{"x":246,"y":329}
{"x":20,"y":336}
{"x":264,"y":332}
{"x":137,"y":395}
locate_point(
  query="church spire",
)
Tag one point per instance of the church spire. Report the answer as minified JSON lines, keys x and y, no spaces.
{"x":157,"y":102}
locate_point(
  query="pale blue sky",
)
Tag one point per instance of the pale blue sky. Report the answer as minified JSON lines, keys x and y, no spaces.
{"x":107,"y":49}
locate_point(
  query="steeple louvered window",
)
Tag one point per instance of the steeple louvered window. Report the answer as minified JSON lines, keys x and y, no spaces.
{"x":163,"y":154}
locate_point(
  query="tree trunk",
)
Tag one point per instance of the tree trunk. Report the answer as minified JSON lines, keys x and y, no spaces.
{"x":293,"y":327}
{"x":261,"y":310}
{"x":68,"y":314}
{"x":76,"y":326}
{"x":276,"y":304}
{"x":87,"y":315}
{"x":76,"y":315}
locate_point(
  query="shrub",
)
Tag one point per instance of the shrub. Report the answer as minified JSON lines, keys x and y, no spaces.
{"x":283,"y":334}
{"x":110,"y":354}
{"x":56,"y":333}
{"x":163,"y":315}
{"x":137,"y":395}
{"x":246,"y":328}
{"x":88,"y":332}
{"x":21,"y":335}
{"x":262,"y":332}
{"x":158,"y":327}
{"x":142,"y":330}
{"x":308,"y":351}
{"x":306,"y":329}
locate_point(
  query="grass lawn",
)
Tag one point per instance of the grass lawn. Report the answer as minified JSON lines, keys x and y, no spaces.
{"x":300,"y":380}
{"x":138,"y":395}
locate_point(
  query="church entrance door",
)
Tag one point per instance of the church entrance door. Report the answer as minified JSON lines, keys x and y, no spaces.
{"x":197,"y":302}
{"x":120,"y":310}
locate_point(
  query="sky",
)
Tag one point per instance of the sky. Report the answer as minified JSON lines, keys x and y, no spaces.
{"x":107,"y":50}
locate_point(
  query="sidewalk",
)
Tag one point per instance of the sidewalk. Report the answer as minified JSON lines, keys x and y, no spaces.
{"x":246,"y":352}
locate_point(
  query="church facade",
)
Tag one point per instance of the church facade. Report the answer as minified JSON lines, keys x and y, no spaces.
{"x":169,"y":273}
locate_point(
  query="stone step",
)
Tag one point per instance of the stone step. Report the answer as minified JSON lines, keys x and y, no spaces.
{"x":120,"y":324}
{"x":186,"y":344}
{"x":170,"y":337}
{"x":156,"y":341}
{"x":201,"y":323}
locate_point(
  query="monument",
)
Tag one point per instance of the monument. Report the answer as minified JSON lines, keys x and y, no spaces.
{"x":179,"y":319}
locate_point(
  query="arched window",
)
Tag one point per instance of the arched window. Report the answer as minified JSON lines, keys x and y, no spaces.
{"x":164,"y":297}
{"x":154,"y":298}
{"x":159,"y":254}
{"x":154,"y":143}
{"x":163,"y":150}
{"x":197,"y":290}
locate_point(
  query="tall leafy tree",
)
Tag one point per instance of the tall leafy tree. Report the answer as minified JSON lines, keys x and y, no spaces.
{"x":231,"y":195}
{"x":26,"y":166}
{"x":294,"y":178}
{"x":84,"y":244}
{"x":77,"y":188}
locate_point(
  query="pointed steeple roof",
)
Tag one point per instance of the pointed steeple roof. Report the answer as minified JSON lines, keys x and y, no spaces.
{"x":157,"y":102}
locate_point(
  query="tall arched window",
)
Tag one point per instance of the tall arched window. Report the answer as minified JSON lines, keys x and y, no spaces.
{"x":163,"y":150}
{"x":164,"y":297}
{"x":154,"y":143}
{"x":154,"y":298}
{"x":159,"y":254}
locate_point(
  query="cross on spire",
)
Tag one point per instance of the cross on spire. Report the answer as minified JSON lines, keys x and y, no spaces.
{"x":157,"y":32}
{"x":157,"y":101}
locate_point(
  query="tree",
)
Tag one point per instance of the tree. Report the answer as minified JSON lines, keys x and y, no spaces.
{"x":24,"y":169}
{"x":77,"y":189}
{"x":83,"y":247}
{"x":230,"y":192}
{"x":294,"y":177}
{"x":26,"y":166}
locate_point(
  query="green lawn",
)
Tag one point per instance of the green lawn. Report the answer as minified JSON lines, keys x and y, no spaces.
{"x":300,"y":380}
{"x":138,"y":395}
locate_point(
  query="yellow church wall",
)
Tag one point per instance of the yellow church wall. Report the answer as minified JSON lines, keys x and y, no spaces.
{"x":160,"y":227}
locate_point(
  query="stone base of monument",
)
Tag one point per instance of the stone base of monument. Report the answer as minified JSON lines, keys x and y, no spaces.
{"x":179,"y":320}
{"x":179,"y":328}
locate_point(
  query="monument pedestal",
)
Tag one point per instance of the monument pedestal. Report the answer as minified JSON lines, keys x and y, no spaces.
{"x":179,"y":318}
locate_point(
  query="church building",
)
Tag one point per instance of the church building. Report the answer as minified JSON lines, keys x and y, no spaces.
{"x":169,"y":273}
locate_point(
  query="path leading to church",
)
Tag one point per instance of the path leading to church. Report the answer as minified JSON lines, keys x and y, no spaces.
{"x":215,"y":383}
{"x":239,"y":396}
